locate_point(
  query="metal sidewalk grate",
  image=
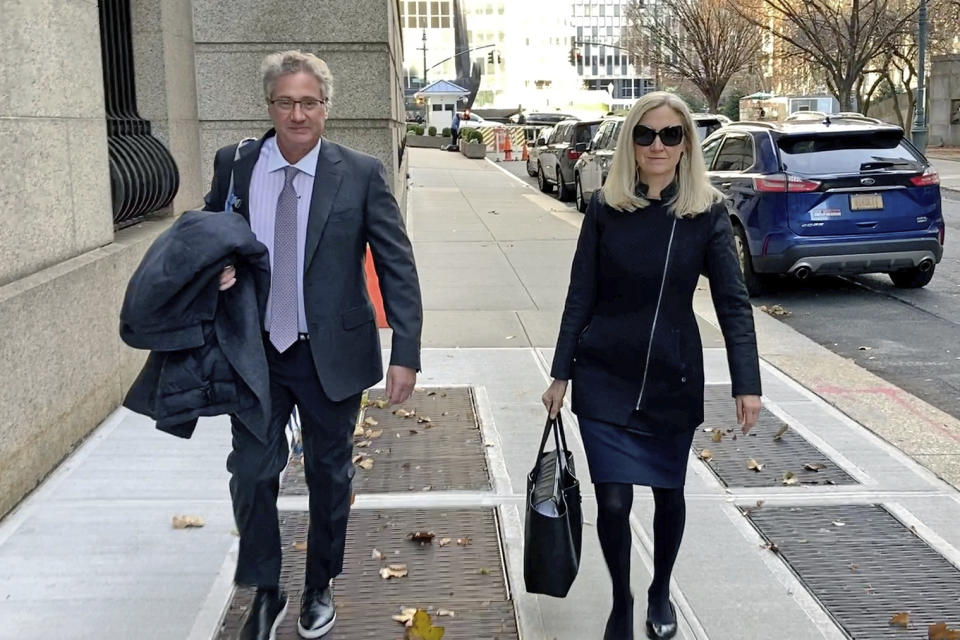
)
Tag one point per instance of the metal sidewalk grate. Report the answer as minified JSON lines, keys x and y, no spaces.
{"x":865,"y":566}
{"x":438,"y":448}
{"x":467,"y":579}
{"x":730,"y":457}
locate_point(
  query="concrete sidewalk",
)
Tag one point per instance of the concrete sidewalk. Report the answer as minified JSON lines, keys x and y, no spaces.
{"x":91,"y":553}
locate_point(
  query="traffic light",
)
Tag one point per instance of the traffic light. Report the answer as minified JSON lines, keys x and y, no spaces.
{"x":490,"y":56}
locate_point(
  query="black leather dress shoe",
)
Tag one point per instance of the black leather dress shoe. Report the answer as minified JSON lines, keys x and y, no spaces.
{"x":264,"y":616}
{"x":317,"y":613}
{"x":658,"y":630}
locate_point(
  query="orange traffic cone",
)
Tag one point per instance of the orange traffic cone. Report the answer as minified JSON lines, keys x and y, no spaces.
{"x":508,"y":150}
{"x":525,"y":155}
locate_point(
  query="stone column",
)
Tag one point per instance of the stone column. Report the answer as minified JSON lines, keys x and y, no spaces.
{"x":359,"y":40}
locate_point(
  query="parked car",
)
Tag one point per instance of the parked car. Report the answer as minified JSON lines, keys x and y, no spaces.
{"x":533,"y":151}
{"x":838,"y":195}
{"x":546,"y":119}
{"x":563,"y":148}
{"x":473,"y":121}
{"x":707,"y":123}
{"x":590,"y":171}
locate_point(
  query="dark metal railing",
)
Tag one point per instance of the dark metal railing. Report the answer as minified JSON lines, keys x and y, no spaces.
{"x":143,"y":174}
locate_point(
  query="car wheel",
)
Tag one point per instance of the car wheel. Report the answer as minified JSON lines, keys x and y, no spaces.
{"x":912,"y":278}
{"x":563,"y":191}
{"x":542,"y":180}
{"x":531,"y":171}
{"x":581,"y":203}
{"x":756,"y":283}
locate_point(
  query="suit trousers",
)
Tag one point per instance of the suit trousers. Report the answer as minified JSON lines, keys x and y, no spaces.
{"x":255,"y":467}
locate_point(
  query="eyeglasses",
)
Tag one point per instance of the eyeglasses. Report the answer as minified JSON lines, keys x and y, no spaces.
{"x":669,"y":136}
{"x":307,"y":104}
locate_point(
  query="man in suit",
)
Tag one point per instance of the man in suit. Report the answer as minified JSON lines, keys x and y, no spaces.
{"x":315,"y":205}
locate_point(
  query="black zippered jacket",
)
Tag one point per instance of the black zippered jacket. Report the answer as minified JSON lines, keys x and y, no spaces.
{"x":604,"y":345}
{"x":206,"y":346}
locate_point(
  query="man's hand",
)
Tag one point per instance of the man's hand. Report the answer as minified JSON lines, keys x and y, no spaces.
{"x":748,"y":410}
{"x":228,"y":277}
{"x":400,"y":383}
{"x":552,"y":398}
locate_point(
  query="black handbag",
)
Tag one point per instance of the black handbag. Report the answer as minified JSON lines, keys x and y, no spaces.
{"x":553,"y":532}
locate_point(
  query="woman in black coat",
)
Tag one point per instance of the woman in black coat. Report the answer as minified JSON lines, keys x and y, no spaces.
{"x":629,"y":339}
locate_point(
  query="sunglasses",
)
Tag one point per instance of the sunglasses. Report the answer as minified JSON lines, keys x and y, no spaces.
{"x":669,"y":136}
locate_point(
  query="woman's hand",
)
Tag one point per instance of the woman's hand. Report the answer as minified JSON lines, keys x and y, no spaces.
{"x":553,"y":397}
{"x":748,"y":410}
{"x":228,"y":277}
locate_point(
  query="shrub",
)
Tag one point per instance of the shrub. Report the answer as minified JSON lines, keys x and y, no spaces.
{"x":411,"y":127}
{"x":418,"y":130}
{"x":445,"y":132}
{"x":432,"y":131}
{"x":473,"y":135}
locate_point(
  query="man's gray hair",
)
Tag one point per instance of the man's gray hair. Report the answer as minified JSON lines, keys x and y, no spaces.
{"x":294,"y":61}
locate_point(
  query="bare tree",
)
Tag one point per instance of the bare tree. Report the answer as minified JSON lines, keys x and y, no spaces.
{"x":841,"y":37}
{"x":703,"y":42}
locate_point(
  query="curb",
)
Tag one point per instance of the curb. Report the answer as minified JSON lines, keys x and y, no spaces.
{"x":910,"y":424}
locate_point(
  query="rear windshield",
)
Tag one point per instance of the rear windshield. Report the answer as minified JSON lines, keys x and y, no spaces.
{"x":856,"y":153}
{"x":585,"y":132}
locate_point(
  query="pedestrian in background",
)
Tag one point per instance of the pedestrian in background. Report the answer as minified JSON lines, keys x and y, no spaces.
{"x":629,"y":339}
{"x":455,"y":127}
{"x":316,"y":205}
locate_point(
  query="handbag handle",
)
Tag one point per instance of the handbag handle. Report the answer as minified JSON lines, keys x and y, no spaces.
{"x":231,"y":196}
{"x":559,"y":438}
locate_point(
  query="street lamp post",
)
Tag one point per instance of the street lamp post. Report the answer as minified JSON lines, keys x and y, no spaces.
{"x":919,"y":131}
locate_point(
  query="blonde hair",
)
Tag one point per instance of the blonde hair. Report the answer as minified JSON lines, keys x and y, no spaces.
{"x":294,"y":61}
{"x":695,"y":194}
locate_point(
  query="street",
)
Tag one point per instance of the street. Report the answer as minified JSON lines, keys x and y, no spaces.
{"x":908,"y":337}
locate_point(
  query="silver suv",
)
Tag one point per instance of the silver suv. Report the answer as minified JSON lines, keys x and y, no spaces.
{"x":591,"y":169}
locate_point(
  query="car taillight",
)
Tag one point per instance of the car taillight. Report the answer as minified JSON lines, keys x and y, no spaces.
{"x":781,"y":182}
{"x":573,"y":155}
{"x":928,"y":178}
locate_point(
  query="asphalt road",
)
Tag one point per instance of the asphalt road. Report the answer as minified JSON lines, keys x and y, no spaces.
{"x":909,"y":337}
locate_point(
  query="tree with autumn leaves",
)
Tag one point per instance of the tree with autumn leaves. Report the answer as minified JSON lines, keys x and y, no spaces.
{"x":859,"y":49}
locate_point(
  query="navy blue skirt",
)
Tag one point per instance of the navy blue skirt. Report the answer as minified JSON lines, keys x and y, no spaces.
{"x":653,"y":458}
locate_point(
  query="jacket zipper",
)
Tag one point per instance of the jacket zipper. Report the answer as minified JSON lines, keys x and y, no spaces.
{"x":656,"y":314}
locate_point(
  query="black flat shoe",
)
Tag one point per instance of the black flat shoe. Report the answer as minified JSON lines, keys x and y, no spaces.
{"x":264,"y":616}
{"x":317,"y":613}
{"x":659,"y":630}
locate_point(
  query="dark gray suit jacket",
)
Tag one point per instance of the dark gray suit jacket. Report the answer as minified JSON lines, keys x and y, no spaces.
{"x":351,"y":206}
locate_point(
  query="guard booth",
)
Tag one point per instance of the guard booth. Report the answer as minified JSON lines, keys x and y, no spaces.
{"x":441,"y":99}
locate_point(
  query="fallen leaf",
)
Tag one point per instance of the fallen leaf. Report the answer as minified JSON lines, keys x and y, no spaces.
{"x":401,"y":413}
{"x":357,"y":457}
{"x":789,"y":478}
{"x":759,"y":503}
{"x":393,"y":571}
{"x":376,"y":554}
{"x":753,"y":465}
{"x":432,"y":393}
{"x":854,"y":567}
{"x":444,"y":542}
{"x":299,"y":546}
{"x":423,"y":420}
{"x":717,"y":436}
{"x":422,"y":628}
{"x":484,"y":571}
{"x":446,"y":612}
{"x":463,"y":542}
{"x":423,"y":537}
{"x":381,"y":403}
{"x":775,"y":310}
{"x":865,"y":349}
{"x":370,"y":422}
{"x":782,"y":430}
{"x":358,"y":430}
{"x":362,"y":444}
{"x":771,"y":546}
{"x":235,"y":532}
{"x":900,"y":620}
{"x":405,"y":617}
{"x":814,"y":466}
{"x":373,"y":434}
{"x":940,"y":631}
{"x":366,"y":463}
{"x":706,"y":454}
{"x":187,"y":522}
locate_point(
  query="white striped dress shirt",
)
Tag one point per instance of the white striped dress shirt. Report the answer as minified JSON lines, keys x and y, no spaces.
{"x":266,"y":183}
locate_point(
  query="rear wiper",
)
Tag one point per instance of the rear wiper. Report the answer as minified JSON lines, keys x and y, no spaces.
{"x":881,"y":164}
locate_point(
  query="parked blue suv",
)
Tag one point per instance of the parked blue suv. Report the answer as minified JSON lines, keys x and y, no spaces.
{"x":822,"y":195}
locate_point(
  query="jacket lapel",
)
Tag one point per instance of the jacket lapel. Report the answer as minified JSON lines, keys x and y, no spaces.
{"x":326,"y":184}
{"x":242,"y":174}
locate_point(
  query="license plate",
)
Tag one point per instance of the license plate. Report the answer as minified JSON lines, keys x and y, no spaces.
{"x":866,"y":201}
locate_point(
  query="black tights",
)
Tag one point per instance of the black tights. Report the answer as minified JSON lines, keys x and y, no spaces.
{"x":614,"y":501}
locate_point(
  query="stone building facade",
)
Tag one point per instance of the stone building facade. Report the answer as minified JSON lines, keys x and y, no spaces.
{"x":64,"y":264}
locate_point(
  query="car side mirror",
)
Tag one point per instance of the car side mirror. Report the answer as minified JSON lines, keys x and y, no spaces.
{"x":580,"y":147}
{"x":541,"y":142}
{"x":589,"y":146}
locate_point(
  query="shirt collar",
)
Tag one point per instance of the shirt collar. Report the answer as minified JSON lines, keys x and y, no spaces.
{"x":276,"y":161}
{"x":668,"y":192}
